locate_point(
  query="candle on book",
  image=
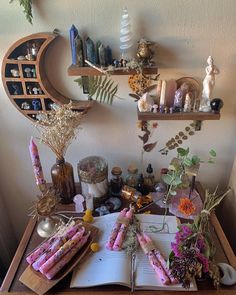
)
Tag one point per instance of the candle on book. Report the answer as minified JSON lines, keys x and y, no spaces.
{"x":161,"y":259}
{"x":163,"y":93}
{"x":115,"y":230}
{"x":38,"y":171}
{"x":149,"y":248}
{"x":123,"y":229}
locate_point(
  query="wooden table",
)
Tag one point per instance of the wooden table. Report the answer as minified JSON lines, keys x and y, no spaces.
{"x":30,"y":240}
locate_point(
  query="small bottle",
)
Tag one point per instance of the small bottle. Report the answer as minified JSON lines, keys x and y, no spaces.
{"x":149,"y":180}
{"x":132,"y":176}
{"x":141,"y":186}
{"x":116,"y":181}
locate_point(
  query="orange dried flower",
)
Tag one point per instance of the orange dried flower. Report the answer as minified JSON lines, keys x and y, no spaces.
{"x":186,"y":206}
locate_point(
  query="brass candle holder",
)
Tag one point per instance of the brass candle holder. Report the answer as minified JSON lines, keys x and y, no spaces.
{"x":44,"y":208}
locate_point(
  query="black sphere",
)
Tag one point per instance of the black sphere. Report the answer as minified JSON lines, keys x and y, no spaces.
{"x":216,"y":105}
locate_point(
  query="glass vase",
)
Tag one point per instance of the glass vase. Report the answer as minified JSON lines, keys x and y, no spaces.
{"x":63,"y":180}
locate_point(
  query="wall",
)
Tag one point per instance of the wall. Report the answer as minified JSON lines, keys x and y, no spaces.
{"x":185,"y":31}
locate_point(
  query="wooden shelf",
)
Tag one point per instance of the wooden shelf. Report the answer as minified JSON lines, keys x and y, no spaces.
{"x":74,"y":70}
{"x":50,"y":94}
{"x":194,"y":116}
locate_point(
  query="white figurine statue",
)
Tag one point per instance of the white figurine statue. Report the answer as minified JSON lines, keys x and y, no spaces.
{"x":208,"y":85}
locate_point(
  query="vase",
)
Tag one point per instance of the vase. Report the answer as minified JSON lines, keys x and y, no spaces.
{"x":63,"y":180}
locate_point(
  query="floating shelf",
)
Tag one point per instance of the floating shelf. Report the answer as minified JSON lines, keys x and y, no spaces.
{"x":74,"y":70}
{"x":194,"y":116}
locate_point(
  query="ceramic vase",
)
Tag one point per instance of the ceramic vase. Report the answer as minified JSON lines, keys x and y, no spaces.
{"x":63,"y":180}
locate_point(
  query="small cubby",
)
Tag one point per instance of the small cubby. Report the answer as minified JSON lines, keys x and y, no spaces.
{"x":33,"y":88}
{"x":48,"y":104}
{"x":29,"y":71}
{"x":27,"y":49}
{"x":24,"y":103}
{"x":12,"y":71}
{"x":15,"y":88}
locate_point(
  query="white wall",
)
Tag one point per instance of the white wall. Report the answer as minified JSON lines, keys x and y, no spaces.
{"x":186,"y":32}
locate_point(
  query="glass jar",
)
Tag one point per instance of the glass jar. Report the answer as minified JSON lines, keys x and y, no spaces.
{"x":93,"y":175}
{"x":132,"y":176}
{"x":116,"y":181}
{"x":63,"y":180}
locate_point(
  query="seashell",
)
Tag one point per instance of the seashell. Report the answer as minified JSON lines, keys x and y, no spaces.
{"x":115,"y":202}
{"x":229,"y":274}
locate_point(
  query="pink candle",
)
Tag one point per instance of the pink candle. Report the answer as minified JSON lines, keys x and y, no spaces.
{"x":65,"y":259}
{"x":115,"y":230}
{"x":61,"y":252}
{"x":38,"y":172}
{"x":161,"y":259}
{"x":122,"y":232}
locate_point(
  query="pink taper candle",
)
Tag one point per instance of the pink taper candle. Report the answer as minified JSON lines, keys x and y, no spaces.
{"x":115,"y":230}
{"x":161,"y":259}
{"x":122,"y":232}
{"x":38,"y":171}
{"x":65,"y":259}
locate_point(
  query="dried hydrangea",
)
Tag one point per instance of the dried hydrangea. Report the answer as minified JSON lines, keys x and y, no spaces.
{"x":58,"y":128}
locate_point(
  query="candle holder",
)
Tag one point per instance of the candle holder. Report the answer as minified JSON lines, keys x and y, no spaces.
{"x":44,"y":208}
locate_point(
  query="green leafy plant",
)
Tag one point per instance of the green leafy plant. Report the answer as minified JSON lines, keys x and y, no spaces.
{"x":181,"y":166}
{"x":100,"y":88}
{"x":27,"y":6}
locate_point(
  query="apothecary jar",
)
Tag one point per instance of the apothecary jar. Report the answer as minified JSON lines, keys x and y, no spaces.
{"x":93,"y":176}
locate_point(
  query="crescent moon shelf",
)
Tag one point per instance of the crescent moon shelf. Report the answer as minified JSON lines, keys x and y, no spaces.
{"x":25,"y":80}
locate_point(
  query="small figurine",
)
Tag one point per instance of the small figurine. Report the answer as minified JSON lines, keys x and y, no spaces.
{"x":36,"y":104}
{"x":102,"y":210}
{"x":179,"y":96}
{"x":155,"y":108}
{"x":25,"y":106}
{"x":188,"y":103}
{"x":40,"y":91}
{"x":144,"y":51}
{"x":33,"y":72}
{"x":28,"y":72}
{"x":16,"y":89}
{"x":35,"y":90}
{"x":208,"y":85}
{"x":34,"y":49}
{"x":29,"y":89}
{"x":15,"y":72}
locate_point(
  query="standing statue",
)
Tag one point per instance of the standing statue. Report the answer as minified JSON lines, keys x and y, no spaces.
{"x":208,"y":85}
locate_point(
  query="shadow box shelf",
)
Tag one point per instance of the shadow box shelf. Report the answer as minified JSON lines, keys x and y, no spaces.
{"x":25,"y":79}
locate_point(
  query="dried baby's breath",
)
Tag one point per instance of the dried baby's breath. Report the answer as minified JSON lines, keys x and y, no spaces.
{"x":58,"y":128}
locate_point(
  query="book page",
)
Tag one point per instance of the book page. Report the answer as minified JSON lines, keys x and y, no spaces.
{"x":145,"y":276}
{"x":103,"y":267}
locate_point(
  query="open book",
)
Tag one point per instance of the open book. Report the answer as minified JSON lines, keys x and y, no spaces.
{"x":111,"y":267}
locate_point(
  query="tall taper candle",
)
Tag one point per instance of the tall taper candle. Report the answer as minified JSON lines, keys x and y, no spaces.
{"x":163,"y":93}
{"x":38,"y":171}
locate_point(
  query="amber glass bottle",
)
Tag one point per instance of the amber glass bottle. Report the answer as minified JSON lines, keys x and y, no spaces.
{"x":63,"y":180}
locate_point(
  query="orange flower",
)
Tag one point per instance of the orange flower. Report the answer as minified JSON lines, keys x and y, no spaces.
{"x":186,"y":206}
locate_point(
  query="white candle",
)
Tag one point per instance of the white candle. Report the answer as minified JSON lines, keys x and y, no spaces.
{"x":163,"y":93}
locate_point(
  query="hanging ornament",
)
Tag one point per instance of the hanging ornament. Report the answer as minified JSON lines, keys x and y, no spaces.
{"x":125,"y":34}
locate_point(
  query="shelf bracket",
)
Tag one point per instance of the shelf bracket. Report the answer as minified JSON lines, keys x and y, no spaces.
{"x":198,"y":125}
